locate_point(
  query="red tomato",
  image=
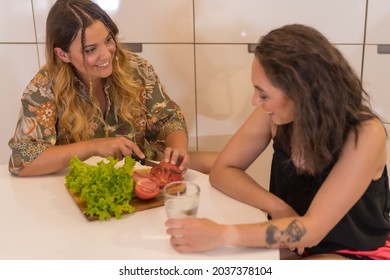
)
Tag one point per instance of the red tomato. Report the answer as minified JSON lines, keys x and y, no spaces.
{"x":165,"y":173}
{"x":145,"y":186}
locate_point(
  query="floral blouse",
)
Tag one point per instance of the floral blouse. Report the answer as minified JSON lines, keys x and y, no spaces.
{"x":37,"y":127}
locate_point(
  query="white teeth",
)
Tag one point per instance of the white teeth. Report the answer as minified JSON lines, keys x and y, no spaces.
{"x":103,"y":65}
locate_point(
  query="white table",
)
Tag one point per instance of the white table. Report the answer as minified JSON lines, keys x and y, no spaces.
{"x":40,"y":220}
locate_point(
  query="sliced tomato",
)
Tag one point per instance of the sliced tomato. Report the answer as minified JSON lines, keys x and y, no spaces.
{"x":165,"y":173}
{"x":146,"y":186}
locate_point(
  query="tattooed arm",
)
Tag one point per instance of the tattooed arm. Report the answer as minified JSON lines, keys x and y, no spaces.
{"x":202,"y":234}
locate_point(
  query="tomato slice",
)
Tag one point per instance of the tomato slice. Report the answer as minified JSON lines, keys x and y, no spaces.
{"x":165,"y":173}
{"x":145,"y":186}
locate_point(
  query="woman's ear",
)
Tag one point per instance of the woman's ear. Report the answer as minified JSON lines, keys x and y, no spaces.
{"x":62,"y":55}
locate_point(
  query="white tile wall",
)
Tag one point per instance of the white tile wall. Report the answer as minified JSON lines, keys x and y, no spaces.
{"x":151,"y":21}
{"x":243,"y":21}
{"x":41,"y":9}
{"x":16,"y":21}
{"x":378,"y":22}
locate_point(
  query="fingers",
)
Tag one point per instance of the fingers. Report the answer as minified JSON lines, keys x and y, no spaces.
{"x":129,"y":147}
{"x":116,"y":147}
{"x":180,"y":244}
{"x":177,"y":157}
{"x":178,"y":239}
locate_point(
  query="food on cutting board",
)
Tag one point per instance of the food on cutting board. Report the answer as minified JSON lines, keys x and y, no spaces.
{"x":107,"y":189}
{"x":148,"y":185}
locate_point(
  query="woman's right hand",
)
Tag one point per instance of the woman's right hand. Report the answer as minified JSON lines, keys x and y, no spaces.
{"x":195,"y":235}
{"x":116,"y":147}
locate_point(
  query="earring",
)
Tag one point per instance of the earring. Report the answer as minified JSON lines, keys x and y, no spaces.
{"x":116,"y":58}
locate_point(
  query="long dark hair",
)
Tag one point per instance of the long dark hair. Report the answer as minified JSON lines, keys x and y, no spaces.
{"x":327,"y":94}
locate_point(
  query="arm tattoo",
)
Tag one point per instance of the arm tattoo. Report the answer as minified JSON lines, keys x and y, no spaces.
{"x":293,"y":233}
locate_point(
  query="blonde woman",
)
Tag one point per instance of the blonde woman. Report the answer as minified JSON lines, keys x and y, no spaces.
{"x":93,"y":98}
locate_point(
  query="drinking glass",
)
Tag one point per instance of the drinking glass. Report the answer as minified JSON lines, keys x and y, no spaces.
{"x":181,"y":199}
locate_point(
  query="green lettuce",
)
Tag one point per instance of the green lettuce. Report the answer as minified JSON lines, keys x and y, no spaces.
{"x":105,"y":189}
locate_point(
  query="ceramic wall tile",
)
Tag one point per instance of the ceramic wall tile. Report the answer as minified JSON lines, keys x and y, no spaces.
{"x":41,"y":54}
{"x":354,"y":55}
{"x":378,"y":22}
{"x":22,"y":64}
{"x":150,"y":21}
{"x":41,"y":10}
{"x":244,"y":21}
{"x":16,"y":21}
{"x":376,"y":80}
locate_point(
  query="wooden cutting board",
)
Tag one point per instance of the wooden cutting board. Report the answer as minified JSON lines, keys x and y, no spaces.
{"x":138,"y":204}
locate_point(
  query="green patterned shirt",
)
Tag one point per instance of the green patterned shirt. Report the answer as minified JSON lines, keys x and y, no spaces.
{"x":37,"y":127}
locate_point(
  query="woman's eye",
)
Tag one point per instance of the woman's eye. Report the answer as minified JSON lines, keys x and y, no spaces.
{"x":263,"y":97}
{"x":110,"y":39}
{"x":89,"y":51}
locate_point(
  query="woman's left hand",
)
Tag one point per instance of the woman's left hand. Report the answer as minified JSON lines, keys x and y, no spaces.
{"x":177,"y":157}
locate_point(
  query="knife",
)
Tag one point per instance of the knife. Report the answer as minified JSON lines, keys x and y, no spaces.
{"x":136,"y":158}
{"x":151,"y":163}
{"x":145,"y":161}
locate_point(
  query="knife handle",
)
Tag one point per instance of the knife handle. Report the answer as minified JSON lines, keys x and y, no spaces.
{"x":140,"y":160}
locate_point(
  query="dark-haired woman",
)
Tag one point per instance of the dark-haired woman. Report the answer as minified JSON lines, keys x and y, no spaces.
{"x":329,"y":192}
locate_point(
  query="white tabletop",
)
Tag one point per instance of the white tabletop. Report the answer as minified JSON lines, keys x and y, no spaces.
{"x":40,"y":220}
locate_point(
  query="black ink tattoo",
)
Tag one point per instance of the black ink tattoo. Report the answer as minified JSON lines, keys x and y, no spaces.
{"x":293,"y":233}
{"x":272,"y":235}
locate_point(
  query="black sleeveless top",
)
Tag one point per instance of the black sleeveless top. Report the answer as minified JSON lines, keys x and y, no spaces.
{"x":365,"y":227}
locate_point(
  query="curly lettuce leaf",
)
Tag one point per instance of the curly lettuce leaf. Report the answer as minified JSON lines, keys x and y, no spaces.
{"x":106,"y":189}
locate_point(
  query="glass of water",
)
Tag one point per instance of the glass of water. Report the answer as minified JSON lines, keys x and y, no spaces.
{"x":181,"y":199}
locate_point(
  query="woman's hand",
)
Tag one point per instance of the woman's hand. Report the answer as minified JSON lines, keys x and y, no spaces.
{"x":177,"y":157}
{"x":192,"y":234}
{"x":116,"y":147}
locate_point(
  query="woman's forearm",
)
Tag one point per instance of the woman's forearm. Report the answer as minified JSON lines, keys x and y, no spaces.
{"x":239,"y":185}
{"x":56,"y":158}
{"x":177,"y":140}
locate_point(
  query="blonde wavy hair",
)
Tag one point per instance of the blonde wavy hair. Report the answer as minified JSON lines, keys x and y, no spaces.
{"x":66,"y":18}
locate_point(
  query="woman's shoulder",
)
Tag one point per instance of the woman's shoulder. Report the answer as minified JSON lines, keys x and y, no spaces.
{"x":40,"y":84}
{"x":373,"y":129}
{"x":141,"y":65}
{"x":370,"y":143}
{"x":141,"y":69}
{"x":42,"y":78}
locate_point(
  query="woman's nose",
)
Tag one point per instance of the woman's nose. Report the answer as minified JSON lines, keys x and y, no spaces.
{"x":256,"y":100}
{"x":105,"y":52}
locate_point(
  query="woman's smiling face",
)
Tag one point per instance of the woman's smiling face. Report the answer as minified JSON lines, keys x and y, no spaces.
{"x":279,"y":107}
{"x":99,"y":50}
